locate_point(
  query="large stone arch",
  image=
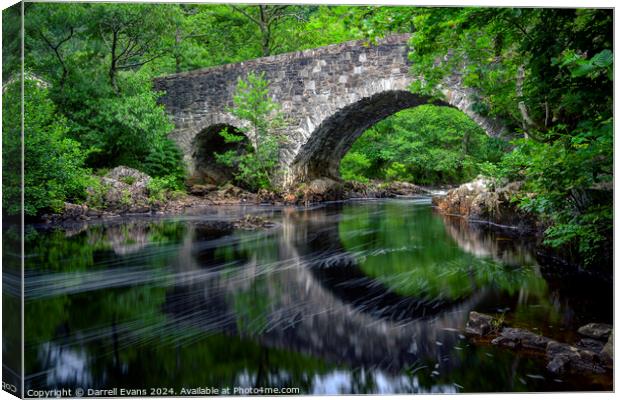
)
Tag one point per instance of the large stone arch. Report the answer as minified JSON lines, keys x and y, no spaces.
{"x":320,"y":156}
{"x":333,"y":136}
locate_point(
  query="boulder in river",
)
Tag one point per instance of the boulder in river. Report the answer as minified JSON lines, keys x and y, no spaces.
{"x":481,"y":324}
{"x":212,"y":229}
{"x":587,"y":356}
{"x":590,"y":344}
{"x":607,"y":354}
{"x":564,"y":358}
{"x":461,"y":200}
{"x":481,"y":200}
{"x":596,"y":330}
{"x":521,"y":338}
{"x":123,"y":190}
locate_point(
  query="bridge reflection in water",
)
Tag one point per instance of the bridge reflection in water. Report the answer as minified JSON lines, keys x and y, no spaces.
{"x":346,"y":298}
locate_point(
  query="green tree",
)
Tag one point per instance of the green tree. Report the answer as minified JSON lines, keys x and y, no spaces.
{"x":96,"y":59}
{"x":123,"y":129}
{"x":133,"y":34}
{"x":426,"y":145}
{"x":258,"y":167}
{"x":53,"y":163}
{"x":53,"y":36}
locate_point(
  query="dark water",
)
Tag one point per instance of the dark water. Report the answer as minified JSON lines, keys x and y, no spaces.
{"x":362,"y":297}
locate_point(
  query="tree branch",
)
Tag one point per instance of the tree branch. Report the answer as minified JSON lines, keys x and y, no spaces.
{"x":56,"y":50}
{"x":257,"y":22}
{"x":141,"y":63}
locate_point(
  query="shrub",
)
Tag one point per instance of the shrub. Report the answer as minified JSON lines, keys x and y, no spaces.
{"x":354,"y":166}
{"x":121,"y":128}
{"x":258,"y":167}
{"x":96,"y":193}
{"x":162,"y":188}
{"x":165,"y":159}
{"x":53,"y":163}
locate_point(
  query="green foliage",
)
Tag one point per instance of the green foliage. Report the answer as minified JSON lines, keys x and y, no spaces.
{"x":96,"y":58}
{"x":11,"y":41}
{"x":498,"y":322}
{"x":165,"y":159}
{"x":258,"y":167}
{"x":580,"y":66}
{"x":354,"y":167}
{"x":123,"y":129}
{"x":571,"y":178}
{"x":546,"y":73}
{"x":53,"y":163}
{"x":397,"y":171}
{"x":162,"y":189}
{"x":97,"y":191}
{"x":426,"y":145}
{"x":215,"y":34}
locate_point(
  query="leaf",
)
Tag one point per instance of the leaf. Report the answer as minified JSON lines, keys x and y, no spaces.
{"x":603,"y":59}
{"x":582,"y":70}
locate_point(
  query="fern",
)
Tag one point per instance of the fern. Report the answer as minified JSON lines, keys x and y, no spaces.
{"x":165,"y":160}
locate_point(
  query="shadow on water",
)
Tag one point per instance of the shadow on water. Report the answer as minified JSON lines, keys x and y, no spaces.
{"x":361,"y":297}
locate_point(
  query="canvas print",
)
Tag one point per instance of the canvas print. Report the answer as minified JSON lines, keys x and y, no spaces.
{"x":295,"y":199}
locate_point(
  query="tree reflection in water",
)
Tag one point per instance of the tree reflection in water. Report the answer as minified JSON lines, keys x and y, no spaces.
{"x":353,"y":298}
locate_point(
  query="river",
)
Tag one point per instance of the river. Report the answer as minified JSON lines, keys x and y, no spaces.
{"x":357,"y":297}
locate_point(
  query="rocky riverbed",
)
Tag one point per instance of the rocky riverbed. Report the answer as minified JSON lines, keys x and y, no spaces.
{"x":592,"y":353}
{"x":125,"y":191}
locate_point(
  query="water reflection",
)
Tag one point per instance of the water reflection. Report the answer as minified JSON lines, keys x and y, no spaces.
{"x":366,"y":297}
{"x":484,"y":243}
{"x":11,"y":309}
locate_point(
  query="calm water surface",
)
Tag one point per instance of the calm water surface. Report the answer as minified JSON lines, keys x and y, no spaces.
{"x":358,"y":297}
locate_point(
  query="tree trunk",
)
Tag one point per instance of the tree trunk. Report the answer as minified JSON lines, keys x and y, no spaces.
{"x":177,"y":50}
{"x":265,"y":31}
{"x":265,"y":45}
{"x":112,"y":71}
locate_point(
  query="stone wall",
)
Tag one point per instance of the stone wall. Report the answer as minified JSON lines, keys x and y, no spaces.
{"x":329,"y":96}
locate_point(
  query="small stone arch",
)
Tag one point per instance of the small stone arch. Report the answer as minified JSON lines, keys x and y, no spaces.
{"x":204,"y":146}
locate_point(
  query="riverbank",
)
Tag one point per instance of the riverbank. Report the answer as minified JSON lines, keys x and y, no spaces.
{"x":485,"y":202}
{"x":125,"y":191}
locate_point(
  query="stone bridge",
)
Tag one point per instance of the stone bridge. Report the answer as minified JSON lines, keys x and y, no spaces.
{"x":329,"y":95}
